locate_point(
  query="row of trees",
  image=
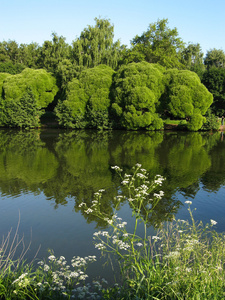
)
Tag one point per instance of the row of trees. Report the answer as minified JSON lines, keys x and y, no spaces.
{"x":95,"y":90}
{"x":137,"y":96}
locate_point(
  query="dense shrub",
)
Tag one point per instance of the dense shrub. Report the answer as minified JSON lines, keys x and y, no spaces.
{"x":137,"y":89}
{"x":23,"y":113}
{"x":22,"y":97}
{"x":3,"y":77}
{"x":185,"y":97}
{"x":211,"y":122}
{"x":184,"y":93}
{"x":43,"y":86}
{"x":196,"y":121}
{"x":87,"y":100}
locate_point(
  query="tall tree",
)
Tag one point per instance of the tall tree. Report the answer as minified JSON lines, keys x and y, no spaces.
{"x":215,"y":58}
{"x":28,"y":54}
{"x":159,"y":44}
{"x":214,"y":80}
{"x":52,"y":52}
{"x":95,"y":45}
{"x":192,"y":58}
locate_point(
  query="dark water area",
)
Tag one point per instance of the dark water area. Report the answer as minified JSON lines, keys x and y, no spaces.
{"x":45,"y":175}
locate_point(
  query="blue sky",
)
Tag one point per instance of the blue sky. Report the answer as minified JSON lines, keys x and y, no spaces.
{"x":197,"y":21}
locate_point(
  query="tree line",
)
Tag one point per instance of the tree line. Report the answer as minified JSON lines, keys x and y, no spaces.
{"x":96,"y":82}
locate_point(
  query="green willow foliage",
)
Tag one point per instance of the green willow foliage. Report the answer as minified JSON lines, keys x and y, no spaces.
{"x":141,"y":86}
{"x":87,"y":100}
{"x":135,"y":97}
{"x":23,"y":96}
{"x":23,"y":113}
{"x":137,"y":90}
{"x":43,"y":86}
{"x":186,"y":97}
{"x":95,"y":46}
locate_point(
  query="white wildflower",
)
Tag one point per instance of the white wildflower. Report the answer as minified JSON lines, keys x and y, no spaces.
{"x":52,"y":257}
{"x":88,"y":211}
{"x":157,"y":195}
{"x":213,"y":222}
{"x":105,"y":233}
{"x":81,"y":204}
{"x":188,"y":270}
{"x":154,"y":237}
{"x":139,"y":244}
{"x":117,"y":168}
{"x":83,"y":277}
{"x":74,"y":274}
{"x":188,"y":202}
{"x":173,"y":254}
{"x":140,"y":175}
{"x":46,"y":268}
{"x":20,"y":278}
{"x":138,"y":165}
{"x":100,"y":246}
{"x":122,"y":225}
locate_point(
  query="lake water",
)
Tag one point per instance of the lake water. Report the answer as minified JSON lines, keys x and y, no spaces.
{"x":45,"y":175}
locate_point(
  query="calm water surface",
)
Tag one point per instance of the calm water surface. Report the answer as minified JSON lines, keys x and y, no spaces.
{"x":45,"y":175}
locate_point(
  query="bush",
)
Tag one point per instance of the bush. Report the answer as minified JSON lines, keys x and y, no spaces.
{"x":212,"y":122}
{"x":87,"y":100}
{"x":22,"y":113}
{"x":196,"y":121}
{"x":43,"y":86}
{"x":184,"y":94}
{"x":137,"y":89}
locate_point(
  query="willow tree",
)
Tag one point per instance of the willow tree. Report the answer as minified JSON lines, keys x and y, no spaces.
{"x":43,"y":86}
{"x":23,"y":97}
{"x":95,"y":45}
{"x":87,"y":100}
{"x":186,"y":97}
{"x":137,"y":89}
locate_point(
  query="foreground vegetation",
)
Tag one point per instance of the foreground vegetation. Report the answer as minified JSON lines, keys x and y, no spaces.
{"x":98,"y":83}
{"x":183,"y":260}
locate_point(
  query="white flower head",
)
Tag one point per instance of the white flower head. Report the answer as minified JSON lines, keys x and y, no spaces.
{"x":52,"y":257}
{"x":213,"y":222}
{"x":188,"y":202}
{"x":154,"y":237}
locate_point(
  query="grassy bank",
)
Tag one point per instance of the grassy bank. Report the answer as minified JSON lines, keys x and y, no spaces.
{"x":184,"y":260}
